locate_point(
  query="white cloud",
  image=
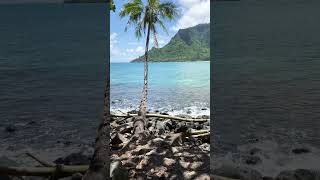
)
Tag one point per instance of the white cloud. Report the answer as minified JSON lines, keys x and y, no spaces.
{"x":139,"y":50}
{"x":113,"y":40}
{"x":194,"y":12}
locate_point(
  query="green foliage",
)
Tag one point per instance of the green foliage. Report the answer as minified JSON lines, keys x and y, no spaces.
{"x":191,"y":44}
{"x":146,"y":16}
{"x":112,"y":6}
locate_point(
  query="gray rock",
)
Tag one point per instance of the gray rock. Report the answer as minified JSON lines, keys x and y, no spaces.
{"x":78,"y":158}
{"x":300,"y":150}
{"x":117,"y":171}
{"x":205,"y":147}
{"x":254,"y":150}
{"x":237,"y":172}
{"x":133,"y":112}
{"x":76,"y":176}
{"x":10,"y":129}
{"x":251,"y":160}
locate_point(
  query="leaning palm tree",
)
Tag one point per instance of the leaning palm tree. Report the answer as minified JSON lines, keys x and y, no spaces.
{"x":145,"y":19}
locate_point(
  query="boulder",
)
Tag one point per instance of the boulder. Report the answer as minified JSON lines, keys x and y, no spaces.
{"x":117,"y":171}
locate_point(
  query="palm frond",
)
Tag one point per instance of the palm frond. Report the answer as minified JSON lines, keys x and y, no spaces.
{"x":168,"y":10}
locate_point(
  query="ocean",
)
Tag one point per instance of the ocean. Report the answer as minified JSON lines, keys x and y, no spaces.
{"x":52,"y":75}
{"x":173,"y":87}
{"x":266,"y":83}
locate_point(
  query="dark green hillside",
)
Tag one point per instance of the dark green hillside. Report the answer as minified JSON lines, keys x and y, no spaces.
{"x":191,"y":44}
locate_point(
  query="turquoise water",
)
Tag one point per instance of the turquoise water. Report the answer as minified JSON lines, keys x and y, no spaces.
{"x":176,"y":87}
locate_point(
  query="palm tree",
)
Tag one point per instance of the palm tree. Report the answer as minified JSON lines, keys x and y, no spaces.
{"x":100,"y":162}
{"x":147,"y":18}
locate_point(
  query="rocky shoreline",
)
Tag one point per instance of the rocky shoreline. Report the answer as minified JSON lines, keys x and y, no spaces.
{"x":171,"y":152}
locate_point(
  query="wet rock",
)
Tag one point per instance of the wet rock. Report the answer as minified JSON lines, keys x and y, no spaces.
{"x":168,"y":161}
{"x":127,"y":128}
{"x":143,"y":163}
{"x":117,"y":139}
{"x":10,"y":129}
{"x":158,"y":142}
{"x":164,"y":113}
{"x":300,"y":150}
{"x":133,"y":112}
{"x":182,"y":129}
{"x":76,"y":176}
{"x":67,"y":143}
{"x":31,"y":123}
{"x":117,"y":171}
{"x":159,"y":126}
{"x":205,"y":147}
{"x":205,"y":117}
{"x":254,"y":151}
{"x":78,"y":158}
{"x":236,"y":172}
{"x":252,"y":160}
{"x":170,"y":125}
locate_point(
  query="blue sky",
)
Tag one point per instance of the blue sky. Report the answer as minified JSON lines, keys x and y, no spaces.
{"x":124,"y":46}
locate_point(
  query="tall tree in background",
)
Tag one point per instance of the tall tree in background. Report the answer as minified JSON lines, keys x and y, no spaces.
{"x":145,"y":19}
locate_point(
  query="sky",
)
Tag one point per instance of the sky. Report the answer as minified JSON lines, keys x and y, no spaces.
{"x":124,"y":46}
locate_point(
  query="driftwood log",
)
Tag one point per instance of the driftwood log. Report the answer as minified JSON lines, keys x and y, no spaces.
{"x":42,"y":162}
{"x":162,"y":116}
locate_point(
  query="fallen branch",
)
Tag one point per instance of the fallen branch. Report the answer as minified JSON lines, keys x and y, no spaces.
{"x":162,"y":116}
{"x":204,"y":135}
{"x":200,"y":131}
{"x":42,"y":162}
{"x":42,"y":171}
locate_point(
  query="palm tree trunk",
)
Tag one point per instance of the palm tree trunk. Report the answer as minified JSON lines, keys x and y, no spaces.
{"x":141,"y":121}
{"x":99,"y":166}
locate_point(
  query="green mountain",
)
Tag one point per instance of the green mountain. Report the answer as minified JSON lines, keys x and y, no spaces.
{"x":191,"y":44}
